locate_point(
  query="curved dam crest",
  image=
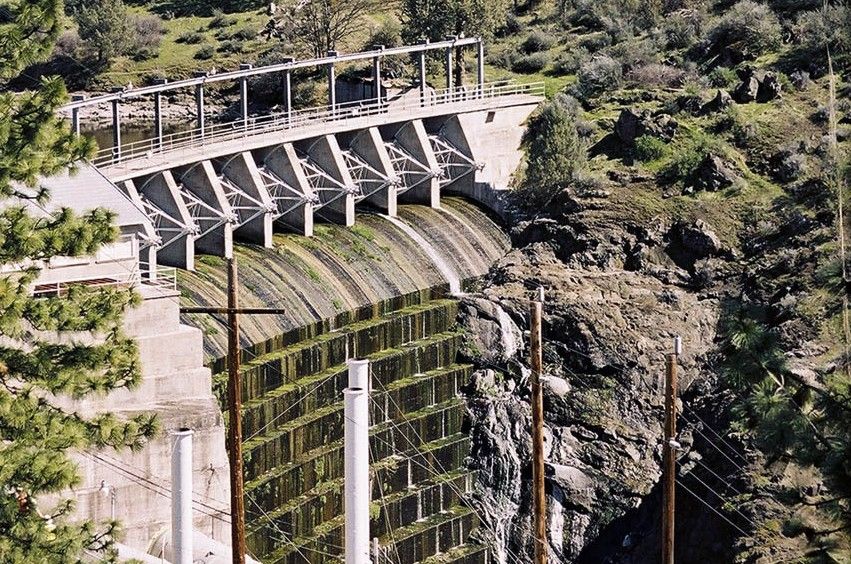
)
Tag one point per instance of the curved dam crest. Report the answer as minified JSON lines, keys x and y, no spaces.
{"x":343,"y":269}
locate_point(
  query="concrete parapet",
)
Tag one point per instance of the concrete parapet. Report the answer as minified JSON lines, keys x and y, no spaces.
{"x":289,"y":188}
{"x":251,"y":201}
{"x":413,"y":138}
{"x":336,"y":188}
{"x":173,"y":220}
{"x":207,"y":202}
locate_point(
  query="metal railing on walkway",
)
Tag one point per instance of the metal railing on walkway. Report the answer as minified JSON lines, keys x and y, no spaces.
{"x":213,"y":134}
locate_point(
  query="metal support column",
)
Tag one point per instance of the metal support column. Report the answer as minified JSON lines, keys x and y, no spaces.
{"x":422,"y":73}
{"x":288,"y":89}
{"x":243,"y":95}
{"x":448,"y":66}
{"x":116,"y":130}
{"x":480,"y":68}
{"x":75,"y":113}
{"x":332,"y":83}
{"x":376,"y":75}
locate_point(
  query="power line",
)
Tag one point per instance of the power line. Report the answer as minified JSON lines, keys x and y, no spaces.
{"x":707,"y":504}
{"x":694,"y":414}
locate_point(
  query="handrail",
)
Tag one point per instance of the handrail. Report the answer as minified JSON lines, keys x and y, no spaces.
{"x":217,"y":133}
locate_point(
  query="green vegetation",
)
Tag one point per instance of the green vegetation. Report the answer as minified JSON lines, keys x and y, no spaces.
{"x":39,"y":374}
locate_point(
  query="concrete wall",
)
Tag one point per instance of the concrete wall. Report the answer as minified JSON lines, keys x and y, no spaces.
{"x":177,"y":386}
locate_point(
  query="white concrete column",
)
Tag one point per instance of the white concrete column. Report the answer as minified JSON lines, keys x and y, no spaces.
{"x":332,"y":83}
{"x":243,"y":94}
{"x":359,"y":373}
{"x":116,"y":130}
{"x":181,"y":497}
{"x":75,"y":113}
{"x":356,"y":481}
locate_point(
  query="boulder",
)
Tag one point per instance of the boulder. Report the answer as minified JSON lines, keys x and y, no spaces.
{"x":632,"y":124}
{"x":769,"y":88}
{"x":720,"y":102}
{"x":715,"y":174}
{"x":747,"y":91}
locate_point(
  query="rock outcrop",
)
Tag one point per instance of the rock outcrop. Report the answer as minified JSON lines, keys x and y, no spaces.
{"x":617,"y":294}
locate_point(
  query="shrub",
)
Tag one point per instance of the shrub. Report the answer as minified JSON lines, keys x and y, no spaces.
{"x":220,"y":20}
{"x":148,"y":31}
{"x":598,"y":75}
{"x":191,"y":38}
{"x":570,"y":61}
{"x":818,"y":29}
{"x":230,"y":46}
{"x":512,"y":26}
{"x":389,"y":34}
{"x":687,"y":159}
{"x":649,"y":148}
{"x":533,"y":63}
{"x":748,"y":27}
{"x":67,"y":44}
{"x":538,"y":41}
{"x":205,"y":52}
{"x":723,"y":77}
{"x":633,"y":53}
{"x":655,"y":75}
{"x":503,"y":59}
{"x":681,"y":29}
{"x":246,"y":33}
{"x":595,"y":41}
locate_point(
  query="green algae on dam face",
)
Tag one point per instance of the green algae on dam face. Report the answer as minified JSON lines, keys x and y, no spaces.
{"x":323,"y":281}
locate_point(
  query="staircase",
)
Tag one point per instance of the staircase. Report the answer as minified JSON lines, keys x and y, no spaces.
{"x":293,"y":431}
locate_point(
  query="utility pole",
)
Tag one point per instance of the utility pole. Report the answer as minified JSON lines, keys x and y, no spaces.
{"x":538,"y":491}
{"x":237,"y":499}
{"x":670,"y":476}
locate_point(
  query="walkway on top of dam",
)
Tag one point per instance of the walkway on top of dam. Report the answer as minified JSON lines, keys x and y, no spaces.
{"x":187,"y":147}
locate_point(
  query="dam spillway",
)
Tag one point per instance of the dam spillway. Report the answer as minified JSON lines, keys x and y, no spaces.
{"x":371,"y":291}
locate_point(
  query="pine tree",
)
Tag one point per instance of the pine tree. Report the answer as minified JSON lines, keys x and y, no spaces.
{"x":105,"y":27}
{"x":38,"y":373}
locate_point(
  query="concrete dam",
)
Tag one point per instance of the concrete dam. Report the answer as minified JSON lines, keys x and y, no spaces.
{"x":362,"y":222}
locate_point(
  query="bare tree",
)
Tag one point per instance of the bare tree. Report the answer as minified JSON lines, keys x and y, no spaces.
{"x":321,"y":25}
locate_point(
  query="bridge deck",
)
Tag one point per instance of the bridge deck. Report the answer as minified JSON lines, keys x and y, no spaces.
{"x":150,"y":156}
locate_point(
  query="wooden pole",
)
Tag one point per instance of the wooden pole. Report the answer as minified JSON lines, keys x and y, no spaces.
{"x":237,"y":501}
{"x":538,"y":491}
{"x":669,"y":482}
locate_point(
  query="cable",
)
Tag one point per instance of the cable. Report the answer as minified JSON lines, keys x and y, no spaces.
{"x":278,"y":529}
{"x":716,"y":447}
{"x":156,"y":488}
{"x":711,"y":471}
{"x":707,"y":504}
{"x":714,"y":432}
{"x":725,"y":500}
{"x":384,"y":506}
{"x":421,"y":455}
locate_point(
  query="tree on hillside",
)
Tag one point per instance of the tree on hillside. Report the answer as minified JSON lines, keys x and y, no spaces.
{"x":435,"y":19}
{"x":37,"y":372}
{"x":320,"y":26}
{"x":105,"y":27}
{"x":554,"y":151}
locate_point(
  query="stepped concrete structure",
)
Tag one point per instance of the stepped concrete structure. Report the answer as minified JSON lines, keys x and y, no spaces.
{"x":202,"y":192}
